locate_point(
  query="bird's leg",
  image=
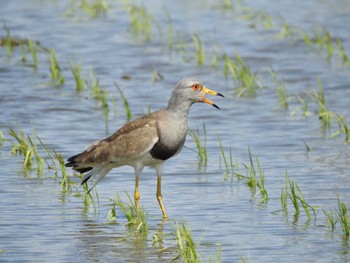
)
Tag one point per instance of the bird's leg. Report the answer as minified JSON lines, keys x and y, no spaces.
{"x":159,"y":196}
{"x":137,"y":198}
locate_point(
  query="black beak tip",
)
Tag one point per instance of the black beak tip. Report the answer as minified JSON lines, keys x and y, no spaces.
{"x":216,"y":106}
{"x":219,"y":94}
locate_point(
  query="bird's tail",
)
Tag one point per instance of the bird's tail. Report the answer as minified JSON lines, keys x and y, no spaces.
{"x":96,"y":173}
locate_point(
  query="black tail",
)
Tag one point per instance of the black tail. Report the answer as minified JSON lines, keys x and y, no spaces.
{"x":71,"y":162}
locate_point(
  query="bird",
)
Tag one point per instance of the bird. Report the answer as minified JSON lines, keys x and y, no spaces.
{"x":149,"y":140}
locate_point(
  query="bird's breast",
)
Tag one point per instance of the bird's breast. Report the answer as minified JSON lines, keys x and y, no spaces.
{"x":172,"y":137}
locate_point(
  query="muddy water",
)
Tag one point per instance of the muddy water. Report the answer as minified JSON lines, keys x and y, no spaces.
{"x":39,"y":223}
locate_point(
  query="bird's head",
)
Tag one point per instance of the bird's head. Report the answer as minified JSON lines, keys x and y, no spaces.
{"x":195,"y":91}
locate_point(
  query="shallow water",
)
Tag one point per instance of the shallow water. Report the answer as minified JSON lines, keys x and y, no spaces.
{"x":39,"y":223}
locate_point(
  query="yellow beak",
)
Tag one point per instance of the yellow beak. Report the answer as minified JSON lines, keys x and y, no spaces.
{"x":211,"y":92}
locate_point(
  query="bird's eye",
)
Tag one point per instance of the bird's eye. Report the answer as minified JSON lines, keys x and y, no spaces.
{"x":195,"y":87}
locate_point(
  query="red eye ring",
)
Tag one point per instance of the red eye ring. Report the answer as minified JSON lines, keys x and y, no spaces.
{"x":195,"y":86}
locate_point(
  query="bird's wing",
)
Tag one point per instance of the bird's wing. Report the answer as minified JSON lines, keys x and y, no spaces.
{"x":128,"y":143}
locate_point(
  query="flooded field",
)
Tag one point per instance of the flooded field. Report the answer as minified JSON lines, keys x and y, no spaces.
{"x":264,"y":179}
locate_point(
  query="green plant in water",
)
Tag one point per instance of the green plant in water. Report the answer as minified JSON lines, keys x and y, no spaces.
{"x":98,"y":93}
{"x":77,"y":74}
{"x":292,"y":190}
{"x":201,"y":146}
{"x":125,"y":102}
{"x":283,"y":100}
{"x":27,"y":147}
{"x":32,"y":47}
{"x":343,"y":217}
{"x":343,"y":127}
{"x":199,"y":50}
{"x":228,"y":162}
{"x":186,"y":245}
{"x":136,"y":219}
{"x":323,"y":113}
{"x":8,"y":40}
{"x":140,"y":21}
{"x":331,"y":219}
{"x":242,"y":74}
{"x":55,"y":69}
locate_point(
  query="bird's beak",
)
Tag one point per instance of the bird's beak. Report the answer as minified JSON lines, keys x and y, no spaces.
{"x":211,"y":92}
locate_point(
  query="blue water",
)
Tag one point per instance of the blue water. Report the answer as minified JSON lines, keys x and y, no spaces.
{"x":39,"y":223}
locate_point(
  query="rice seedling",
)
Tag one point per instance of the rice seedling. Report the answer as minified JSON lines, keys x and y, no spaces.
{"x":292,"y":190}
{"x":229,"y":165}
{"x":255,"y":178}
{"x":77,"y":74}
{"x":343,"y":218}
{"x":201,"y":146}
{"x":136,"y":218}
{"x":199,"y":50}
{"x":27,"y":147}
{"x":331,"y":219}
{"x":242,"y":74}
{"x":304,"y":107}
{"x":140,"y":21}
{"x":308,"y":148}
{"x":342,"y":53}
{"x":186,"y":245}
{"x":283,"y":99}
{"x":23,"y":53}
{"x":156,"y":75}
{"x":55,"y":69}
{"x":32,"y":47}
{"x":98,"y":93}
{"x":7,"y":41}
{"x":323,"y":113}
{"x":2,"y":138}
{"x":93,"y":8}
{"x":343,"y":127}
{"x":125,"y":102}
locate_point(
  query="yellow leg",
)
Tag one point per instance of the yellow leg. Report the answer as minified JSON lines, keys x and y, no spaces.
{"x":159,"y":196}
{"x":137,"y":197}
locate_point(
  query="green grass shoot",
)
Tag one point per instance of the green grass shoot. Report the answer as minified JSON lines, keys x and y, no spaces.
{"x":78,"y":77}
{"x":125,"y":103}
{"x":32,"y":47}
{"x":27,"y":147}
{"x":292,"y":190}
{"x":343,"y":218}
{"x":140,"y":21}
{"x":323,"y":113}
{"x":186,"y":245}
{"x":55,"y":69}
{"x":8,"y":41}
{"x":331,"y":219}
{"x":283,"y":100}
{"x":199,"y":50}
{"x":98,"y":93}
{"x":137,"y":220}
{"x":343,"y":127}
{"x":247,"y":83}
{"x":201,"y":146}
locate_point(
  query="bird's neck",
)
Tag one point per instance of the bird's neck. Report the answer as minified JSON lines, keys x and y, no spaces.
{"x":179,"y":106}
